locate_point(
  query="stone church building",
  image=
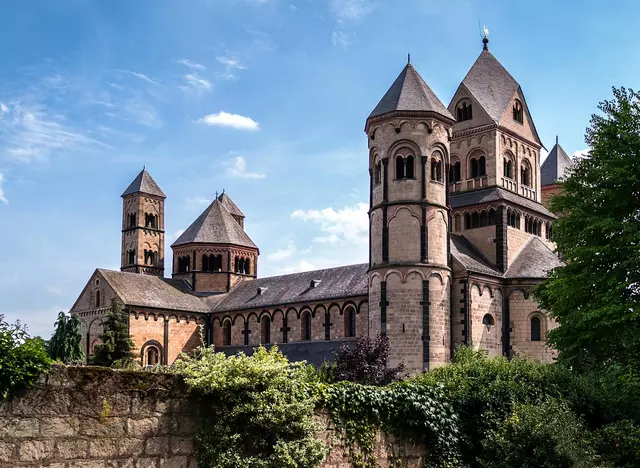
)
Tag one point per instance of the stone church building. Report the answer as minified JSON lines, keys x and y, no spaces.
{"x":459,"y":234}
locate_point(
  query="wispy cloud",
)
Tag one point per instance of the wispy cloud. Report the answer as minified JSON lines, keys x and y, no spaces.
{"x":348,"y":225}
{"x":350,"y":10}
{"x":3,"y":199}
{"x":197,"y":202}
{"x":231,"y":65}
{"x":141,"y":76}
{"x":225,"y":119}
{"x":577,"y":155}
{"x":192,"y":64}
{"x":198,"y":83}
{"x":138,"y":111}
{"x":341,"y":38}
{"x":238,"y":168}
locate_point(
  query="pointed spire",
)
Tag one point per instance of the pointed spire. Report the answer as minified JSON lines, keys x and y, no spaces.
{"x":555,"y":166}
{"x":556,"y":139}
{"x":408,"y":59}
{"x":485,"y":43}
{"x":144,"y":183}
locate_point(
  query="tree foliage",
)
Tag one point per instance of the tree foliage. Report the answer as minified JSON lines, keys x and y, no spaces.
{"x":595,"y":297}
{"x":262,"y":410}
{"x":365,"y":362}
{"x":22,"y":359}
{"x":116,"y":347}
{"x":66,"y":343}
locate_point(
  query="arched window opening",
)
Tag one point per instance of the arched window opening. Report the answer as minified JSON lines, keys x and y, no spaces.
{"x":513,"y":219}
{"x":410,"y":166}
{"x":463,"y":111}
{"x":436,"y":170}
{"x":247,"y":266}
{"x":377,"y":171}
{"x":518,"y":112}
{"x":131,"y":257}
{"x":482,"y":166}
{"x":475,"y":220}
{"x":455,"y":174}
{"x":535,"y":329}
{"x":525,"y":175}
{"x":265,"y":330}
{"x":184,"y":264}
{"x":488,"y":321}
{"x":131,"y":220}
{"x":226,"y":333}
{"x":399,"y":167}
{"x":508,"y":168}
{"x":153,"y":356}
{"x":305,"y":328}
{"x":467,"y":221}
{"x":150,"y":221}
{"x":218,"y":263}
{"x":457,"y":223}
{"x":484,"y":219}
{"x":98,"y":299}
{"x":205,"y":263}
{"x":474,"y":168}
{"x":350,"y":323}
{"x":491,"y":217}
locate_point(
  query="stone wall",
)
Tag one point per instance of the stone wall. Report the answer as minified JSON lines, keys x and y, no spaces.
{"x":86,"y":417}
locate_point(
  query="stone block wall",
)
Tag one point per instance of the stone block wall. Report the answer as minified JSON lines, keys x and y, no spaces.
{"x":87,"y":417}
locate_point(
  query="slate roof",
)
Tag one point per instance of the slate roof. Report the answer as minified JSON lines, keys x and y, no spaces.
{"x":152,"y":291}
{"x":535,"y":260}
{"x":555,"y":166}
{"x":409,"y":92}
{"x":470,"y":257}
{"x":215,"y":226}
{"x":344,"y":281}
{"x":474,"y":197}
{"x":144,"y":183}
{"x":229,"y":205}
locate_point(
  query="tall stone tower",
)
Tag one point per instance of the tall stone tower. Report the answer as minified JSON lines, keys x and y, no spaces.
{"x":143,"y":227}
{"x":409,"y":274}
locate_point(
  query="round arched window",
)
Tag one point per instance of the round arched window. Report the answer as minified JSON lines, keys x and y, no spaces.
{"x":488,"y":321}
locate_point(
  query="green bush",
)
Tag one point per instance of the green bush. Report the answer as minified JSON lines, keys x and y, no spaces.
{"x":547,"y":435}
{"x":66,"y":343}
{"x":22,"y":359}
{"x":262,"y":409}
{"x":619,"y":443}
{"x":116,"y":347}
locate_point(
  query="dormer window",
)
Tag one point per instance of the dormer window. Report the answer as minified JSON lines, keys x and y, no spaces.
{"x":518,"y":113}
{"x":463,"y":111}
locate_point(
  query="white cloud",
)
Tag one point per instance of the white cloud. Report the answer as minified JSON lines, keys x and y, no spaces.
{"x":580,"y":154}
{"x":224,"y":119}
{"x":3,"y":108}
{"x":281,"y":254}
{"x":298,"y":267}
{"x":341,"y":38}
{"x":238,"y":168}
{"x":345,"y":226}
{"x":198,"y":201}
{"x":350,"y":10}
{"x":231,"y":64}
{"x":197,"y":82}
{"x":3,"y":199}
{"x":191,"y":64}
{"x":138,"y":111}
{"x":141,"y":76}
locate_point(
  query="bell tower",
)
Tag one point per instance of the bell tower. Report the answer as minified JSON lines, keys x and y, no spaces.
{"x":409,"y":275}
{"x":143,"y":227}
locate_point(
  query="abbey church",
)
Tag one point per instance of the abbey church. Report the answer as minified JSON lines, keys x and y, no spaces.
{"x":459,"y":234}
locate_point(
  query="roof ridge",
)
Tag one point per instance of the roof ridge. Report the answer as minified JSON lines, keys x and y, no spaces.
{"x":310,"y":271}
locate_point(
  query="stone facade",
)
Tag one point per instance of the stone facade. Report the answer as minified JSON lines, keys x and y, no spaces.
{"x":96,"y":418}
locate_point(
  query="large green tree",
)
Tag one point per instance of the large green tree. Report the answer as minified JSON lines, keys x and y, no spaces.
{"x":595,"y":297}
{"x":116,"y":343}
{"x":66,"y":343}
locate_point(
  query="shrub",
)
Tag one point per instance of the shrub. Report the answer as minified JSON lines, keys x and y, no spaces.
{"x":262,"y":410}
{"x":547,"y":435}
{"x":116,"y":343}
{"x":619,"y":443}
{"x":22,"y":359}
{"x":66,"y":343}
{"x":365,"y":362}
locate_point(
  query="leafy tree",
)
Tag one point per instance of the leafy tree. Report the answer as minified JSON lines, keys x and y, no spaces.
{"x":66,"y":343}
{"x":116,"y":343}
{"x":595,"y":297}
{"x":22,"y":358}
{"x":366,"y":362}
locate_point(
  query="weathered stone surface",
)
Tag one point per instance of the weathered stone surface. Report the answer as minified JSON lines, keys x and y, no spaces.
{"x":184,"y":425}
{"x":33,"y":450}
{"x":104,"y":448}
{"x":59,"y":427}
{"x":14,"y":427}
{"x":72,"y":448}
{"x":108,"y":427}
{"x":174,"y":462}
{"x":6,"y":451}
{"x":39,"y":402}
{"x":157,"y":446}
{"x":146,"y":463}
{"x":129,"y":446}
{"x":143,"y":427}
{"x":182,"y":446}
{"x":88,"y":464}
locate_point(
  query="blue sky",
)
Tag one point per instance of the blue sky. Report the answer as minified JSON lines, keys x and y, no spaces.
{"x":264,"y":98}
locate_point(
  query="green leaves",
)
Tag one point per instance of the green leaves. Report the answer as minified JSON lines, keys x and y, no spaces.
{"x":66,"y":343}
{"x":22,"y":359}
{"x":116,"y":343}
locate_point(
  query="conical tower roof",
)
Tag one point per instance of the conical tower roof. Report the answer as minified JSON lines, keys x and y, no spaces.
{"x":409,"y":92}
{"x":144,"y":183}
{"x":556,"y":165}
{"x":229,"y":205}
{"x":215,"y":226}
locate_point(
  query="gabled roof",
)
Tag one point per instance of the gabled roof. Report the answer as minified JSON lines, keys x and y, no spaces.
{"x":470,"y":257}
{"x":475,"y":197}
{"x":152,"y":291}
{"x":556,"y":165}
{"x":535,"y":260}
{"x":215,"y":226}
{"x":229,"y":205}
{"x":144,"y":183}
{"x":339,"y":282}
{"x":409,"y":92}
